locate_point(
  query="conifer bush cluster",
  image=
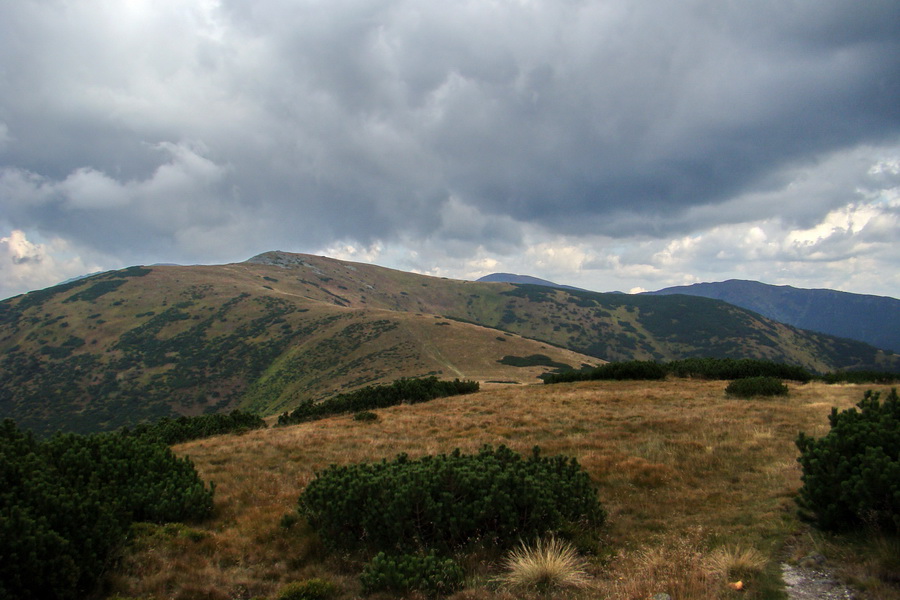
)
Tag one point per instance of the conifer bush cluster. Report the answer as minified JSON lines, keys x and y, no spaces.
{"x":174,"y":431}
{"x":851,"y":476}
{"x":639,"y":370}
{"x":882,"y":377}
{"x":408,"y":391}
{"x":447,"y":502}
{"x":427,"y":572}
{"x":67,"y":503}
{"x":736,"y":368}
{"x":703,"y":368}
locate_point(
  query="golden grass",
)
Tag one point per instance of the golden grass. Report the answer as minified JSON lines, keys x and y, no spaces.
{"x":681,"y":469}
{"x":547,"y":565}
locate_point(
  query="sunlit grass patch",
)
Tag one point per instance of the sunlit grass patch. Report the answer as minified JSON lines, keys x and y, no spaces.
{"x":546,"y":565}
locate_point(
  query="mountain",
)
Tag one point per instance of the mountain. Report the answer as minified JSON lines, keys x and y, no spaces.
{"x":874,"y":320}
{"x":141,"y":343}
{"x":523,"y":279}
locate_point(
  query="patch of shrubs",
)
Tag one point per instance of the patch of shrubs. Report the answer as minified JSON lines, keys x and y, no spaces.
{"x":401,"y":574}
{"x":403,"y":391}
{"x":702,"y":368}
{"x":365,"y":416}
{"x":174,"y":431}
{"x":67,"y":503}
{"x":749,"y":387}
{"x":880,"y":377}
{"x":619,"y":371}
{"x":851,"y":476}
{"x":449,"y":501}
{"x":732,"y":368}
{"x":534,"y":360}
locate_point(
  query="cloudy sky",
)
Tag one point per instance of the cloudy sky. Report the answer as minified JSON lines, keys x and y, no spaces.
{"x":607,"y":144}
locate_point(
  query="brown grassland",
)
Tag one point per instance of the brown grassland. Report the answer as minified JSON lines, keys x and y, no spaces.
{"x":699,"y":488}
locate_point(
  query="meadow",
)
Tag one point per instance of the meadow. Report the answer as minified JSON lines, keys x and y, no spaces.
{"x":699,"y":488}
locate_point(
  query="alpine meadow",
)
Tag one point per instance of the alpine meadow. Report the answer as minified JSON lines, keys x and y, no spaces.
{"x":299,"y":427}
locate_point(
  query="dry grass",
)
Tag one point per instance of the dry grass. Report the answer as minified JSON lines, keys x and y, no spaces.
{"x":681,"y":469}
{"x":548,"y":565}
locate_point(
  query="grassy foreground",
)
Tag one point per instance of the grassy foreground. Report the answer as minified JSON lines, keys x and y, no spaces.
{"x":699,"y":488}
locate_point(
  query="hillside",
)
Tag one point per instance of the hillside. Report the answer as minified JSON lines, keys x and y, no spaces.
{"x":138,"y":344}
{"x":871,"y":319}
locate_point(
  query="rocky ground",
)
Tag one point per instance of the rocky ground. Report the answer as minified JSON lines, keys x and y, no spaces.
{"x":810,"y":579}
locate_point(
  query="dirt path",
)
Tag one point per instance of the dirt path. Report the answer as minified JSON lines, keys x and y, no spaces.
{"x":813,"y":583}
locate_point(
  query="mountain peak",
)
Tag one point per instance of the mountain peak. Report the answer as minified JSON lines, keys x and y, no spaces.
{"x":523,"y":279}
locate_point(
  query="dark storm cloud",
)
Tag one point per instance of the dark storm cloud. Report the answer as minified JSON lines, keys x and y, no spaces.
{"x":210,"y":130}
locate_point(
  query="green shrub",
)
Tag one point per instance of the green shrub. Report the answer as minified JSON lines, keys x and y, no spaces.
{"x":851,"y":476}
{"x":66,"y":504}
{"x":756,"y":386}
{"x":445,"y":502}
{"x":619,"y":371}
{"x":174,"y":431}
{"x":882,"y":377}
{"x":409,"y":391}
{"x":731,"y":368}
{"x":427,"y":573}
{"x":365,"y":416}
{"x":311,"y":589}
{"x":703,"y":368}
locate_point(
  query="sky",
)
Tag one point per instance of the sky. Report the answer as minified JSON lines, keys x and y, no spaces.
{"x":620,"y":145}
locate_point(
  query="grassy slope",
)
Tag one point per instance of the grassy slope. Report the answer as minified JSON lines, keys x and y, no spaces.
{"x":140,"y":344}
{"x":191,"y":339}
{"x":685,"y":472}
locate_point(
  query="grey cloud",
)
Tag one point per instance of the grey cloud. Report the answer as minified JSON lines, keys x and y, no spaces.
{"x":359,"y":120}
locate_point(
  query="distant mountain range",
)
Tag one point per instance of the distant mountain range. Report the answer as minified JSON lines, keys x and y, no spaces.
{"x":134,"y":345}
{"x":874,"y":320}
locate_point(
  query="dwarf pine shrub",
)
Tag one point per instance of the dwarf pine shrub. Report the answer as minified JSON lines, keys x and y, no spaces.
{"x":851,"y":476}
{"x":756,"y":386}
{"x":402,"y":391}
{"x":445,"y":502}
{"x":403,"y":573}
{"x":67,"y":503}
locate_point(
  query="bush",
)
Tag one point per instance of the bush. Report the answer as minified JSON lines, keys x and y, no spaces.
{"x":174,"y":431}
{"x":629,"y":370}
{"x":704,"y":368}
{"x":851,"y":476}
{"x":410,"y":391}
{"x":426,"y":573}
{"x":66,"y":504}
{"x":365,"y":416}
{"x":731,"y":368}
{"x":881,"y":377}
{"x":311,"y":589}
{"x":446,"y":502}
{"x":756,"y":386}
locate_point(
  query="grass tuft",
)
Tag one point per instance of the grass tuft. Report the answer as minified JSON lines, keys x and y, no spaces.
{"x":549,"y":564}
{"x":737,"y":562}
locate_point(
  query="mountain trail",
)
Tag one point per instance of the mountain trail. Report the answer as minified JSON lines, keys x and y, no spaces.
{"x":805,"y":582}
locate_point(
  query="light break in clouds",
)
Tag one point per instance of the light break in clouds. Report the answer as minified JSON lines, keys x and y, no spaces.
{"x":607,"y":144}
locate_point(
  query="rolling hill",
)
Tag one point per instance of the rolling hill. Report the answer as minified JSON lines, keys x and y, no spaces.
{"x":871,"y":319}
{"x":141,"y":343}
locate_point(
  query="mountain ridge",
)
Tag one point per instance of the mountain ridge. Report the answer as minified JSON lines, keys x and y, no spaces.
{"x":142,"y":343}
{"x":868,"y":318}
